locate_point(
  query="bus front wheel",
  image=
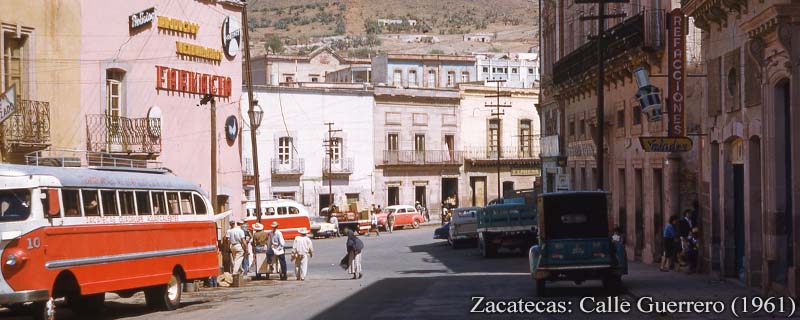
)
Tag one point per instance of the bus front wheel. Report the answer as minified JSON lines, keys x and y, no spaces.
{"x":165,"y":297}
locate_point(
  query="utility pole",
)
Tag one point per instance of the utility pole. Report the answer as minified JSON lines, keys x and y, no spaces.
{"x":253,"y":122}
{"x":206,"y":100}
{"x":329,"y":143}
{"x":600,"y":42}
{"x":497,"y":113}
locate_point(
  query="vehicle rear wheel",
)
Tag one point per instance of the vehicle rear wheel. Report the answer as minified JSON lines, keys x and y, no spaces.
{"x":541,"y":288}
{"x":44,"y":310}
{"x":86,"y":304}
{"x":488,"y":250}
{"x":612,"y":284}
{"x":415,"y":224}
{"x":165,"y":297}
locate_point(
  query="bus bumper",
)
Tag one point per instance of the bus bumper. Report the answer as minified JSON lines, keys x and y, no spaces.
{"x":24,"y":296}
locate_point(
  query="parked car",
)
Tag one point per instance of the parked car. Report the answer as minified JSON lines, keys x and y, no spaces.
{"x":322,"y":228}
{"x":404,"y":216}
{"x":575,"y":241}
{"x":442,"y":232}
{"x":464,"y":226}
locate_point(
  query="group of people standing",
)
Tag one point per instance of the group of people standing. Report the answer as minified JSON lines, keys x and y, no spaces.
{"x":681,"y":242}
{"x":261,"y":252}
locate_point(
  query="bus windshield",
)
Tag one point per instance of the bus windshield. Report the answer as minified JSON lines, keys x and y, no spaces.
{"x":15,"y":204}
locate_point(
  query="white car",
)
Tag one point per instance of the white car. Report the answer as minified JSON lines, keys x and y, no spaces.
{"x":322,"y":228}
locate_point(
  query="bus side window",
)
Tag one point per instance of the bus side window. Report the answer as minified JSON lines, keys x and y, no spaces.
{"x":159,"y":202}
{"x":172,"y":203}
{"x":71,"y":201}
{"x":91,"y":203}
{"x":126,"y":203}
{"x":50,"y":203}
{"x":186,"y":203}
{"x":270,"y":211}
{"x":293,"y":210}
{"x":143,"y":203}
{"x":199,"y":205}
{"x":282,"y":211}
{"x":109,"y":200}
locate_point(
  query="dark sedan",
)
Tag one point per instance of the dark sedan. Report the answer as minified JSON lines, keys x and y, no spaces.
{"x":442,"y":232}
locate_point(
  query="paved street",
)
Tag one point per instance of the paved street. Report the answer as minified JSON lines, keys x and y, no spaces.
{"x":409,"y":275}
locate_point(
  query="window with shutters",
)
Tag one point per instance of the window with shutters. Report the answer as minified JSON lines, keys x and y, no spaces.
{"x":285,"y":150}
{"x":14,"y":64}
{"x":494,"y":136}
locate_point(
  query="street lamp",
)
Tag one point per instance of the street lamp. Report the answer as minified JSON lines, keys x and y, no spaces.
{"x":255,"y":116}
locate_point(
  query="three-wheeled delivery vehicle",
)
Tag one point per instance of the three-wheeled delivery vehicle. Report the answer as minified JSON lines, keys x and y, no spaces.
{"x":575,"y":241}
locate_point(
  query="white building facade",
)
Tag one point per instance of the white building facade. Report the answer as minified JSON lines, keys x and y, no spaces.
{"x":519,"y":70}
{"x":293,"y":156}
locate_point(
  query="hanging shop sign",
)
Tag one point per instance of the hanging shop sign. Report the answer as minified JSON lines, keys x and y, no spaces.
{"x":665,"y":144}
{"x":231,"y":35}
{"x":231,"y":128}
{"x":178,"y":25}
{"x":142,"y":18}
{"x":176,"y":80}
{"x":676,"y":38}
{"x":193,"y":50}
{"x":7,"y":103}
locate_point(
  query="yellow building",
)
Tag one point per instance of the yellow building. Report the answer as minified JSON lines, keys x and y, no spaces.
{"x":40,"y":59}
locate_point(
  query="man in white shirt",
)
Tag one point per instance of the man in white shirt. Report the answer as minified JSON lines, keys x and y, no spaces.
{"x":277,"y":244}
{"x":236,"y":239}
{"x":303,"y":250}
{"x":335,"y":222}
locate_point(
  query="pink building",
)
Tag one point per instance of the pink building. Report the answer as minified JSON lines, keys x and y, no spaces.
{"x":144,"y":67}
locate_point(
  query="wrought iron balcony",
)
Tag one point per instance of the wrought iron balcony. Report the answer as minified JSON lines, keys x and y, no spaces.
{"x":288,"y":167}
{"x":642,"y":31}
{"x":421,"y":158}
{"x":28,"y":129}
{"x":508,"y":155}
{"x":248,"y":175}
{"x":117,"y":135}
{"x":342,"y":166}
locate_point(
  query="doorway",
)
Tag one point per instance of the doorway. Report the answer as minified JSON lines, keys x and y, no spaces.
{"x":622,"y":214}
{"x":551,"y":182}
{"x":508,"y":188}
{"x":639,"y":214}
{"x":658,"y":212}
{"x":324,"y":201}
{"x":478,"y":185}
{"x":738,"y":218}
{"x":421,"y":196}
{"x":393,"y":196}
{"x":784,"y":252}
{"x":450,"y":192}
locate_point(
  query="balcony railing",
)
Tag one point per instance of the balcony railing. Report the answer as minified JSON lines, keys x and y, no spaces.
{"x":288,"y":167}
{"x":644,"y":30}
{"x":506,"y":152}
{"x":341,"y":166}
{"x":28,"y":129}
{"x":421,"y":158}
{"x":112,"y":134}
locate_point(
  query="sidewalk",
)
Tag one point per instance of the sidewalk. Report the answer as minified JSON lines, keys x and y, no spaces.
{"x":646,"y":280}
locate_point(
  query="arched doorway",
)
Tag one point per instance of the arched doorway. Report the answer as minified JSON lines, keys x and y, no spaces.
{"x":735,"y":208}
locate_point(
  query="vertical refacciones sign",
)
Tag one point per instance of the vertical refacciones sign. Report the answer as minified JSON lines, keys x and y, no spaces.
{"x":676,"y":47}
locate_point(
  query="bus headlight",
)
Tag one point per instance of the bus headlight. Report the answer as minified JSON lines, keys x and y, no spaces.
{"x":11,"y":260}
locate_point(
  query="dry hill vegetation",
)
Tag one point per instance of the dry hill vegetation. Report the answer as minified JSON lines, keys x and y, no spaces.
{"x":351,"y":26}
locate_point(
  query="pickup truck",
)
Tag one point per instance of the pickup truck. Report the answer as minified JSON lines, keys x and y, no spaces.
{"x":463,"y":226}
{"x":511,"y":224}
{"x":356,"y":221}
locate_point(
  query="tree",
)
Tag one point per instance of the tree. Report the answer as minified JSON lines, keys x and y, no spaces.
{"x":372,"y":26}
{"x":274,"y":44}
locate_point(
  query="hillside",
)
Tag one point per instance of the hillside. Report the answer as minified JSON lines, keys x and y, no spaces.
{"x":352,"y":26}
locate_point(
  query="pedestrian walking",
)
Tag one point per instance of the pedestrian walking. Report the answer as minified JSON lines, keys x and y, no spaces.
{"x":260,"y":238}
{"x":335,"y":221}
{"x":248,"y":240}
{"x":276,"y":250}
{"x":670,"y":238}
{"x":236,"y":239}
{"x":373,"y":221}
{"x":302,"y":250}
{"x":684,"y":229}
{"x":390,"y":221}
{"x":354,"y":248}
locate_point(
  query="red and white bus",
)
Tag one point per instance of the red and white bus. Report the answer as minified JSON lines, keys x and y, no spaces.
{"x":80,"y":232}
{"x":290,"y":215}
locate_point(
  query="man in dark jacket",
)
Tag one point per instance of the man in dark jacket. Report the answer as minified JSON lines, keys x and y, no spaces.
{"x":684,"y":229}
